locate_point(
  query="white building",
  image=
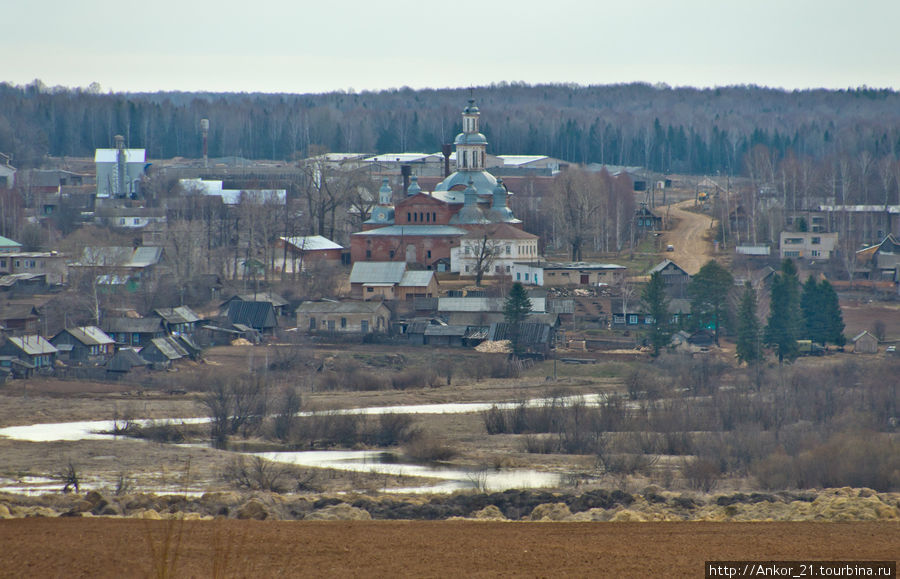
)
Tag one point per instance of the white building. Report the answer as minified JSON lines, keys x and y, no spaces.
{"x":500,"y":244}
{"x":807,"y":244}
{"x":233,"y":196}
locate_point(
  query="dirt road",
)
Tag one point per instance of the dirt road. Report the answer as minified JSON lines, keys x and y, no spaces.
{"x":136,"y":548}
{"x":691,"y":236}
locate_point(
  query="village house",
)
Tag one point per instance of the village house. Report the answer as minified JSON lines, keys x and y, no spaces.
{"x":361,"y":317}
{"x":568,"y":274}
{"x":646,"y":220}
{"x":86,"y":344}
{"x":120,"y":266}
{"x":7,"y":245}
{"x":129,"y":217}
{"x":124,"y":361}
{"x":33,"y":349}
{"x":179,"y":320}
{"x":391,"y":281}
{"x":261,"y":316}
{"x":19,"y":319}
{"x":134,"y":332}
{"x":675,"y":278}
{"x":807,"y":245}
{"x":279,"y":305}
{"x":50,"y":264}
{"x":299,"y":253}
{"x":880,"y":260}
{"x":162,"y":352}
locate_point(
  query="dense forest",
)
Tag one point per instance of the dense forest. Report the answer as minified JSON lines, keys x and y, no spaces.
{"x":680,"y":130}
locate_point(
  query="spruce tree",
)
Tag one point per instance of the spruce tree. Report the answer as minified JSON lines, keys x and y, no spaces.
{"x":748,"y":330}
{"x":708,"y":291}
{"x":784,"y":316}
{"x":656,"y":304}
{"x":813,"y":314}
{"x":832,"y":317}
{"x":515,"y":312}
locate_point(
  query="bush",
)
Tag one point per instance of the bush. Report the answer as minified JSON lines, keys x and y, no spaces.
{"x":701,"y":474}
{"x":428,"y":449}
{"x":256,"y":474}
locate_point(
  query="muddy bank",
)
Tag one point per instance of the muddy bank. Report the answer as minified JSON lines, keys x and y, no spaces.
{"x":844,"y":504}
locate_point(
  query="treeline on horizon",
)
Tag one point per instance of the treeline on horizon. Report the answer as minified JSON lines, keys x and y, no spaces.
{"x":677,"y":130}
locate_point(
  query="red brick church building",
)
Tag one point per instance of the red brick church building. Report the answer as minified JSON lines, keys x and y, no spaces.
{"x":423,"y":227}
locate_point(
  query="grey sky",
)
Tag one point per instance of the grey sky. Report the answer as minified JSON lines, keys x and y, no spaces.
{"x":301,"y":46}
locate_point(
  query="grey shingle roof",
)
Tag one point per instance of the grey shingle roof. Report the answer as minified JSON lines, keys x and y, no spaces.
{"x":33,"y":345}
{"x":179,"y":315}
{"x":133,"y":325}
{"x":89,"y":335}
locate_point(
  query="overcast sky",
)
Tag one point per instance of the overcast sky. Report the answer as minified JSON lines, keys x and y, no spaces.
{"x":302,"y":46}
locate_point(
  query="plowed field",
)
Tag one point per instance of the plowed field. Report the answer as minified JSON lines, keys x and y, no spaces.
{"x":137,"y":548}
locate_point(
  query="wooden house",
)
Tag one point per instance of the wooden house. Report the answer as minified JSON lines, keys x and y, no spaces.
{"x":86,"y":344}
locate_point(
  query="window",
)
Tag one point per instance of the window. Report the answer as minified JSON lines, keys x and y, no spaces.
{"x":364,"y":326}
{"x":815,"y":253}
{"x":434,"y":216}
{"x":312,"y":323}
{"x":792,"y":254}
{"x":137,"y":221}
{"x":392,"y":254}
{"x":122,"y":221}
{"x":368,"y":254}
{"x":370,"y":289}
{"x":508,"y":250}
{"x":632,"y":319}
{"x":496,"y":269}
{"x":343,"y":323}
{"x":428,"y":254}
{"x":135,"y":339}
{"x":507,"y":269}
{"x":816,"y":240}
{"x":518,"y":276}
{"x":18,"y":263}
{"x":793,"y":241}
{"x":330,"y":325}
{"x":427,"y":217}
{"x":408,"y":217}
{"x":526,"y":276}
{"x":467,"y":269}
{"x":2,"y":263}
{"x":467,"y":250}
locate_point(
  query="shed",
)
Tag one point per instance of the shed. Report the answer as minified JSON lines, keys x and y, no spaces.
{"x":258,"y":315}
{"x":163,"y":351}
{"x":865,"y":343}
{"x":125,"y":360}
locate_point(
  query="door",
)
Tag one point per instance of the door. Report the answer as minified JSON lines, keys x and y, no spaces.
{"x":364,"y":326}
{"x":584,"y":279}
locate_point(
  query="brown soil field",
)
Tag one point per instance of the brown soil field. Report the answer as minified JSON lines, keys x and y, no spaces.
{"x":134,"y":548}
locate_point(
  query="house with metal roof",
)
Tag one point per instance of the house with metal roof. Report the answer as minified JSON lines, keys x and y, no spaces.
{"x":7,"y":245}
{"x":134,"y":332}
{"x":279,"y":304}
{"x":19,"y":319}
{"x":32,"y":349}
{"x":84,"y":344}
{"x":300,"y":252}
{"x":567,"y":274}
{"x":357,"y":317}
{"x":178,"y":320}
{"x":260,"y":316}
{"x":675,"y":278}
{"x":124,"y":361}
{"x":129,"y":266}
{"x":163,"y":351}
{"x":391,"y":280}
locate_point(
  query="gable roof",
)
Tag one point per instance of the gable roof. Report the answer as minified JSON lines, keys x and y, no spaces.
{"x":139,"y":257}
{"x":88,"y":335}
{"x":276,"y":300}
{"x":498,"y":231}
{"x":124,"y":360}
{"x":18,"y":312}
{"x":257,"y":315}
{"x":179,"y":315}
{"x":379,"y":272}
{"x":168,"y":347}
{"x":417,"y":278}
{"x":666,"y":263}
{"x":133,"y":325}
{"x":8,"y":243}
{"x":347,"y":307}
{"x":862,"y":334}
{"x":311,"y":243}
{"x":33,"y":345}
